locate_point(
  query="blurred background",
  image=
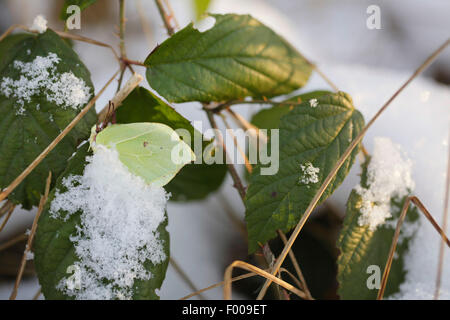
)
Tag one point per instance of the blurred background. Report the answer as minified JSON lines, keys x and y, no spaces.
{"x":370,"y":64}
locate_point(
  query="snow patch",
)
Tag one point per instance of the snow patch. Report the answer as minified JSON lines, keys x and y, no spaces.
{"x":29,"y":255}
{"x":309,"y":173}
{"x":40,"y":76}
{"x":388,"y":177}
{"x":39,"y":24}
{"x":313,"y":103}
{"x":118,"y":229}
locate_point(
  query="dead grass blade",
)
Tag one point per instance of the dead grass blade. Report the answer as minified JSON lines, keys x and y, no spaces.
{"x":444,"y":227}
{"x":185,"y":277}
{"x":252,"y":268}
{"x":5,"y":221}
{"x":404,"y":211}
{"x":299,"y":272}
{"x":31,"y":237}
{"x":219,"y":284}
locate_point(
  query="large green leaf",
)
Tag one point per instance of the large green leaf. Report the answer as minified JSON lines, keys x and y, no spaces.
{"x":194,"y":181}
{"x":83,"y":4}
{"x":26,"y":131}
{"x":55,"y":252}
{"x":238,"y":57}
{"x":361,"y":247}
{"x":313,"y":137}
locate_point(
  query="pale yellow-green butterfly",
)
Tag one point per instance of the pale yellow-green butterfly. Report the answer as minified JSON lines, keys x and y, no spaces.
{"x":153,"y":151}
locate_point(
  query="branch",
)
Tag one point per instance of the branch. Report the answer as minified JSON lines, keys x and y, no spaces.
{"x":339,"y":164}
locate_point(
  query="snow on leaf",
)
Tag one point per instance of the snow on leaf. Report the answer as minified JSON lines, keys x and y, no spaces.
{"x":373,"y":208}
{"x":43,"y":86}
{"x":102,"y":234}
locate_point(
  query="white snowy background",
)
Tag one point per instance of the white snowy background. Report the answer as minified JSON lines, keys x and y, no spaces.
{"x":368,"y":64}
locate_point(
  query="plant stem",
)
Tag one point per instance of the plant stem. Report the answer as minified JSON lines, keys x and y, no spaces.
{"x":444,"y":227}
{"x":234,"y":175}
{"x":123,"y":53}
{"x":31,"y":237}
{"x":165,"y":17}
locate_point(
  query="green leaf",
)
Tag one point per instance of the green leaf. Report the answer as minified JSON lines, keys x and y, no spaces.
{"x":194,"y":181}
{"x":361,"y":247}
{"x":83,"y":4}
{"x":309,"y":136}
{"x":24,"y":135}
{"x":238,"y":57}
{"x":55,"y":252}
{"x":200,"y":7}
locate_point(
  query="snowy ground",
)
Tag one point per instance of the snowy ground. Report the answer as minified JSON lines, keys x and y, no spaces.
{"x":368,"y":64}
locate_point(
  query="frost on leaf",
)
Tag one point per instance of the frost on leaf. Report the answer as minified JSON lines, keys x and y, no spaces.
{"x":388,"y":177}
{"x":39,"y":24}
{"x":40,"y":76}
{"x":313,"y":103}
{"x":309,"y":173}
{"x":118,"y":230}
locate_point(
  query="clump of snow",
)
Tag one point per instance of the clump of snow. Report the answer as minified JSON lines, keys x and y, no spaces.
{"x":29,"y":255}
{"x":118,"y":230}
{"x":388,"y":177}
{"x":313,"y":103}
{"x":39,"y":24}
{"x":309,"y":173}
{"x":41,"y":76}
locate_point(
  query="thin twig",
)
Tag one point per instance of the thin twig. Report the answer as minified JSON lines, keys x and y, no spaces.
{"x":444,"y":227}
{"x":234,"y":175}
{"x":339,"y":164}
{"x":165,"y":17}
{"x":116,"y":102}
{"x":144,"y":23}
{"x":6,"y":207}
{"x":404,"y":211}
{"x":265,"y":274}
{"x":64,"y":35}
{"x":123,"y":52}
{"x":31,"y":237}
{"x":5,"y":221}
{"x":248,"y":166}
{"x":185,"y":277}
{"x":37,"y":294}
{"x":245,"y":125}
{"x":54,"y":143}
{"x":294,"y":261}
{"x":13,"y":241}
{"x":219,"y":284}
{"x":237,"y":222}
